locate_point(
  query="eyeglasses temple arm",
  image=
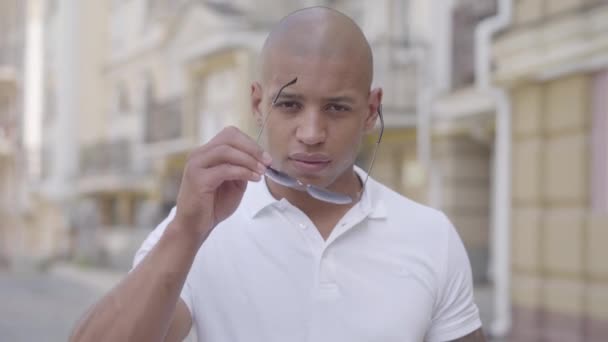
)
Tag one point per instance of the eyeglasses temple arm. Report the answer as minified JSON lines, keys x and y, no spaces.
{"x":274,"y":101}
{"x":371,"y":164}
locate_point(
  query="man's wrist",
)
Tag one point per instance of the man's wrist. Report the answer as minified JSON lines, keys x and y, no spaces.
{"x":185,"y":234}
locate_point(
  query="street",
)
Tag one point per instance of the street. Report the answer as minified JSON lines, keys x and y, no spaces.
{"x":45,"y":306}
{"x":41,"y":307}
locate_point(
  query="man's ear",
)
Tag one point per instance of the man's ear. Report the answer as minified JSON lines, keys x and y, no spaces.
{"x":256,"y":102}
{"x":374,"y":102}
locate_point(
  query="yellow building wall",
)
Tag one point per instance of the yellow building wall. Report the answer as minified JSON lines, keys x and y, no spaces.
{"x":559,"y":273}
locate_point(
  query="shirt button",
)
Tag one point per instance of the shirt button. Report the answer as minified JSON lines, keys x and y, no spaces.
{"x":302,"y":225}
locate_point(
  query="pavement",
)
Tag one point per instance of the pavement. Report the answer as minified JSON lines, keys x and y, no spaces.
{"x":42,"y":306}
{"x":45,"y":306}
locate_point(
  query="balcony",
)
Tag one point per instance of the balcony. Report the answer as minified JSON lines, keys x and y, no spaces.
{"x":105,"y":157}
{"x":164,"y":121}
{"x":108,"y":167}
{"x":167,"y":129}
{"x":552,"y":44}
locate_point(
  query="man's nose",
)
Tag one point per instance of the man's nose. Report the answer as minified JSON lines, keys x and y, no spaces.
{"x":312,"y":128}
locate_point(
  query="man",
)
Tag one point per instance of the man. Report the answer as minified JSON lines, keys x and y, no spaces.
{"x":310,"y":249}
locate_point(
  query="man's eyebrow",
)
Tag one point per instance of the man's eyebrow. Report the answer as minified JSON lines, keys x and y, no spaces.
{"x":343,"y":99}
{"x":287,"y":95}
{"x":294,"y":96}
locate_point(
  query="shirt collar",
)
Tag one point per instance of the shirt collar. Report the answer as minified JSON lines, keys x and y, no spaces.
{"x":258,"y":198}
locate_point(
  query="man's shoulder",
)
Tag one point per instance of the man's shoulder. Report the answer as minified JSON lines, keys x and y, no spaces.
{"x":404,"y":210}
{"x":399,"y":204}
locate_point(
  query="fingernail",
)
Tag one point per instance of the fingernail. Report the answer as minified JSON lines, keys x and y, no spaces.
{"x":261,"y":168}
{"x":257,"y":177}
{"x":266,"y":158}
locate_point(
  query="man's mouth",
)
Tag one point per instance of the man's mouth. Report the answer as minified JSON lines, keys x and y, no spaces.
{"x":309,"y":162}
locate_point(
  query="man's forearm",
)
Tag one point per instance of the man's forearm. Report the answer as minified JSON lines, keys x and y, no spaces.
{"x":141,"y":306}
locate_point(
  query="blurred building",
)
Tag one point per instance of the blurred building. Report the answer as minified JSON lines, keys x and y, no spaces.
{"x":519,"y":156}
{"x":462,"y":121}
{"x":12,"y":48}
{"x":552,"y":61}
{"x":132,"y":87}
{"x":496,"y":113}
{"x":75,"y":48}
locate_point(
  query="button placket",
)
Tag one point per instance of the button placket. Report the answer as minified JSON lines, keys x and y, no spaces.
{"x":309,"y":229}
{"x":327,"y":288}
{"x":351,"y":219}
{"x":303,"y":224}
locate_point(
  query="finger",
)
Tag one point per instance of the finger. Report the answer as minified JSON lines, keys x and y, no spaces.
{"x":219,"y":174}
{"x":241,"y":141}
{"x":226,"y":154}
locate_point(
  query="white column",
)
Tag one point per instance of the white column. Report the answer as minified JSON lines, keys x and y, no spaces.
{"x":442,"y":44}
{"x":33,"y":95}
{"x":67,"y":66}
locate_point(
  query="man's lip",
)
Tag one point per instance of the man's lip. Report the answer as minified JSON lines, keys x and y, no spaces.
{"x":310,"y":158}
{"x":307,"y":168}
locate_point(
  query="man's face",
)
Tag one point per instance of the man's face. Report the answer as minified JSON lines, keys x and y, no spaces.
{"x":315,"y":128}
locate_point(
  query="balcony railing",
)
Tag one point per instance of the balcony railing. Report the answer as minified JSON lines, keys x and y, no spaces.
{"x":103,"y":158}
{"x":528,"y":15}
{"x":111,"y":167}
{"x":164,"y":121}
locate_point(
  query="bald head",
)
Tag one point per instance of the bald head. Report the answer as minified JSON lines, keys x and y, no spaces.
{"x":318,"y":33}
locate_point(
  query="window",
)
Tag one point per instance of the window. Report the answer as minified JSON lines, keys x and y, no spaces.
{"x":50,"y":108}
{"x":123,"y":103}
{"x":465,"y":18}
{"x":599,"y":144}
{"x":51,"y":8}
{"x":149,"y":93}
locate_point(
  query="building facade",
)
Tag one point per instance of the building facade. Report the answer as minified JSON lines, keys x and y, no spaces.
{"x":496,"y":113}
{"x":518,"y":139}
{"x":553,"y":62}
{"x":75,"y":48}
{"x":13,"y":18}
{"x":150,"y":80}
{"x":12,"y":37}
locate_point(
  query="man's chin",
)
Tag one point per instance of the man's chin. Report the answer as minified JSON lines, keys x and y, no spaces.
{"x":321,"y":179}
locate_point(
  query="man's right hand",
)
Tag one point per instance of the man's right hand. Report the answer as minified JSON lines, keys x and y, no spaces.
{"x":213,"y":183}
{"x":215,"y":178}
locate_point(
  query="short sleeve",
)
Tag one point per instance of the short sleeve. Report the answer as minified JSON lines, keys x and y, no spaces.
{"x":455,"y":313}
{"x":147,"y":246}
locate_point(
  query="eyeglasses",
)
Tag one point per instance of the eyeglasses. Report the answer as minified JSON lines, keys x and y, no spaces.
{"x":317,"y":192}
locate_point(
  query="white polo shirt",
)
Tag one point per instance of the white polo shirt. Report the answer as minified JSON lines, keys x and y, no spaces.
{"x":391,"y":270}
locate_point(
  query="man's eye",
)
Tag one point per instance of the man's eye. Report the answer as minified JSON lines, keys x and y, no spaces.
{"x":288,"y":105}
{"x":337,"y":108}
